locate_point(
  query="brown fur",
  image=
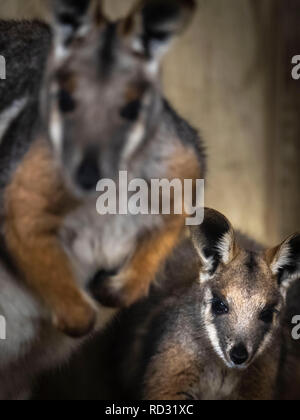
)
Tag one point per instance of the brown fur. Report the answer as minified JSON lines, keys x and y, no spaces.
{"x":179,"y":372}
{"x":36,"y":204}
{"x":138,"y":275}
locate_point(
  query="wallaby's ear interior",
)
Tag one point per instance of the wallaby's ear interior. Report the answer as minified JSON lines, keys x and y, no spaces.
{"x":214,"y":241}
{"x":153,"y":24}
{"x":285,"y":261}
{"x":72,"y":17}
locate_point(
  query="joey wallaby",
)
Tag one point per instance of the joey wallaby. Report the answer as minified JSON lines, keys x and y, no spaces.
{"x":221,"y":334}
{"x":83,"y":102}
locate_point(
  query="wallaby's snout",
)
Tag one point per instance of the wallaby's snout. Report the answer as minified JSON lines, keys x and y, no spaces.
{"x":239,"y":354}
{"x":88,"y":173}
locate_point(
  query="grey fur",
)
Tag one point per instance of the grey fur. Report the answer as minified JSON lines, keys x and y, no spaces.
{"x":25,"y":46}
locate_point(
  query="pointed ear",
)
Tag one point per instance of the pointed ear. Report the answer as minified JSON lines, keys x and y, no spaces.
{"x":73,"y":18}
{"x":153,"y":24}
{"x":284,"y":261}
{"x":214,"y":241}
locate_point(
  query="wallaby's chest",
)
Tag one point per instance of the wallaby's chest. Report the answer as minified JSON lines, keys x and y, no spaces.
{"x":96,"y":242}
{"x":216,"y":383}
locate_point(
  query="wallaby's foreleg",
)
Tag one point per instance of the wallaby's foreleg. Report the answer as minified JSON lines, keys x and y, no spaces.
{"x":134,"y":280}
{"x":35,"y":204}
{"x":172,"y":376}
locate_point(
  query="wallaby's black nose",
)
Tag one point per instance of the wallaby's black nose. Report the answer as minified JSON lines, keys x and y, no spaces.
{"x":239,"y":354}
{"x":88,"y":174}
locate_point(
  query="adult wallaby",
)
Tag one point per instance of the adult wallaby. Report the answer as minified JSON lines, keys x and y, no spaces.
{"x":221,"y":334}
{"x":82,"y":102}
{"x":103,"y":112}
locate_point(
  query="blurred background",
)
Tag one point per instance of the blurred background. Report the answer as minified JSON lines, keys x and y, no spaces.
{"x":230,"y":76}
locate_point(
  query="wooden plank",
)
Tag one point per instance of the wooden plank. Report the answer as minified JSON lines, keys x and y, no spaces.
{"x":284,"y":140}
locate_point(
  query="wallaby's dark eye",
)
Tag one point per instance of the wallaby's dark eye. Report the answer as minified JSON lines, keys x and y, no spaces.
{"x":131,"y":111}
{"x":267,"y":316}
{"x":65,"y":101}
{"x":219,"y":307}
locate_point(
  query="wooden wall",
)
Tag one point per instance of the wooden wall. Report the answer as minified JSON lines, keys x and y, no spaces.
{"x":231,"y":77}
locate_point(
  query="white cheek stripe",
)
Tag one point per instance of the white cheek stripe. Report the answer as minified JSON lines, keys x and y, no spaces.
{"x":56,"y":131}
{"x":213,"y":337}
{"x":10,"y":114}
{"x":134,"y":141}
{"x":61,"y":53}
{"x":211,"y":329}
{"x":265,"y":344}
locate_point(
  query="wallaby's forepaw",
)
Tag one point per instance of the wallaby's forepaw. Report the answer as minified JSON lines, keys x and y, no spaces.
{"x":76,"y":318}
{"x":118,"y":291}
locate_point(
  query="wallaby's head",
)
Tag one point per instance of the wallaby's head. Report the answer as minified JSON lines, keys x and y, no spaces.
{"x":244,"y":291}
{"x":102,"y":97}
